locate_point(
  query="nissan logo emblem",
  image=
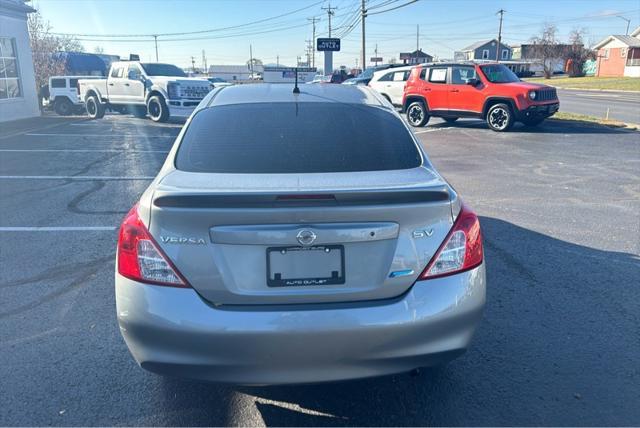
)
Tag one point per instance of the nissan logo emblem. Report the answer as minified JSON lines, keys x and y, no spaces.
{"x":306,"y":237}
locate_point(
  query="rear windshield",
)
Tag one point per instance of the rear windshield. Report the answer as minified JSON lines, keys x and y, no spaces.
{"x":296,"y":138}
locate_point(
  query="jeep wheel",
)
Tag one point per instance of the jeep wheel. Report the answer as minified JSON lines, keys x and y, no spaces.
{"x":157,"y":108}
{"x":417,"y":115}
{"x":532,"y":121}
{"x":95,"y":110}
{"x":63,"y":106}
{"x":450,"y":119}
{"x":500,"y":117}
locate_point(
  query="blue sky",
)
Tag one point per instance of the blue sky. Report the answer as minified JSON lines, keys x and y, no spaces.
{"x":445,"y":25}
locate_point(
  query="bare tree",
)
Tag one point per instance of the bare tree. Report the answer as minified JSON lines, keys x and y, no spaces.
{"x":577,"y":54}
{"x":546,"y":48}
{"x":44,"y":46}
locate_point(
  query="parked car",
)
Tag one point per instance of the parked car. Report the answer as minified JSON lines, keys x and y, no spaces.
{"x":488,"y":91}
{"x":390,"y":83}
{"x":319,"y":78}
{"x":314,"y":242}
{"x":159,"y":90}
{"x":63,"y":94}
{"x":365,"y":77}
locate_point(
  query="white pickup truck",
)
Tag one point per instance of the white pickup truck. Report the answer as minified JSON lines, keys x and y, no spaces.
{"x":159,"y":90}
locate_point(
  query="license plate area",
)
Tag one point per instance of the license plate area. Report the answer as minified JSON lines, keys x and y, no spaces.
{"x":305,"y":266}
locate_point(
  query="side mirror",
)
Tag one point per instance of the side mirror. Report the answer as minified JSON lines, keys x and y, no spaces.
{"x":473,"y":81}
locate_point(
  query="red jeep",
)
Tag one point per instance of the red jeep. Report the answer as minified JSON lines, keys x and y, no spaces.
{"x":488,"y":91}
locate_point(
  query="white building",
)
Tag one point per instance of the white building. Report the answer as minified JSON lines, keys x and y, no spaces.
{"x":234,"y":73}
{"x":18,"y":95}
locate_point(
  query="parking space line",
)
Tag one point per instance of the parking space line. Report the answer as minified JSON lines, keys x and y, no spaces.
{"x":36,"y":134}
{"x":83,"y":151}
{"x":73,"y":177}
{"x":39,"y":128}
{"x":59,"y":229}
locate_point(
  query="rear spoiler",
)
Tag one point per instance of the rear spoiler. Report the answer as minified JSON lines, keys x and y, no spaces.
{"x":283,"y":200}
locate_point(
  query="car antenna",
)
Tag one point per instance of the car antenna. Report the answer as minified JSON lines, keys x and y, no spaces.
{"x":296,"y":90}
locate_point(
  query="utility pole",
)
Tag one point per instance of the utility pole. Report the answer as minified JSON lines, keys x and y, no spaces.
{"x":204,"y":62}
{"x":277,"y":60}
{"x":193,"y":64}
{"x":309,"y":51}
{"x":363,"y":15}
{"x":155,"y":38}
{"x":376,"y":61}
{"x":330,"y":13}
{"x":251,"y":60}
{"x":313,"y":52}
{"x":501,"y":12}
{"x":417,"y":38}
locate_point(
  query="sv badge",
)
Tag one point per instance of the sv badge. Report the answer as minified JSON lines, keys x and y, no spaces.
{"x":422,"y":233}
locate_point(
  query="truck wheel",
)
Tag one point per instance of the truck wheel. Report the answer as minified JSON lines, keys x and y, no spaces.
{"x":157,"y":108}
{"x":95,"y":110}
{"x":417,"y":114}
{"x":500,"y":117}
{"x":63,"y":106}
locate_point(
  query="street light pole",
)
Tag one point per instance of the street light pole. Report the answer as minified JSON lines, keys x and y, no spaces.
{"x":628,"y":22}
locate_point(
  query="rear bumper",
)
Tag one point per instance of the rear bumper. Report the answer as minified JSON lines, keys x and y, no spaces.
{"x":175,"y":332}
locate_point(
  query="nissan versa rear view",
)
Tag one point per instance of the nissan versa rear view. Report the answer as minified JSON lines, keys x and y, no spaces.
{"x":297,"y":237}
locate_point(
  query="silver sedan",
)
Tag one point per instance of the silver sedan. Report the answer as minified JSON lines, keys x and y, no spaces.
{"x":297,"y":237}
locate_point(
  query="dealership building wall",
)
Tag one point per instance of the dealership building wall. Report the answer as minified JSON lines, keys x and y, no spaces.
{"x":18,"y":94}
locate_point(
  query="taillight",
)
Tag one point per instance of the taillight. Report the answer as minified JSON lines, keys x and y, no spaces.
{"x":460,"y":251}
{"x":140,"y":258}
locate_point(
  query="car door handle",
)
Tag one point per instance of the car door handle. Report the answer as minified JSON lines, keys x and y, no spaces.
{"x":126,"y":84}
{"x":426,"y":89}
{"x":455,"y":90}
{"x":110,"y":84}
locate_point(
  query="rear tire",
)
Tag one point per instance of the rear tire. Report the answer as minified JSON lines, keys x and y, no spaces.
{"x":450,"y":119}
{"x":500,"y":117}
{"x":63,"y":106}
{"x":157,"y":108}
{"x":95,"y":109}
{"x":417,"y":114}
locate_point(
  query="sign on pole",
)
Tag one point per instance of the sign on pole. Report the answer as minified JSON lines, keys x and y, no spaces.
{"x":328,"y":45}
{"x":376,"y":59}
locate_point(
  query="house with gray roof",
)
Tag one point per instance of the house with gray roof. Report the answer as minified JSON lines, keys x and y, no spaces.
{"x":485,"y":49}
{"x":619,"y":55}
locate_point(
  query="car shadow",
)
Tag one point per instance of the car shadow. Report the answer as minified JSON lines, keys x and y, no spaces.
{"x":549,"y":126}
{"x":558,"y":345}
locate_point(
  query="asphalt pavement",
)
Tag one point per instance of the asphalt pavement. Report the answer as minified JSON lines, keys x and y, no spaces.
{"x":621,"y":106}
{"x":559,"y":343}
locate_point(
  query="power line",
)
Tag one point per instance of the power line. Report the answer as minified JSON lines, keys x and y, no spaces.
{"x":394,"y":8}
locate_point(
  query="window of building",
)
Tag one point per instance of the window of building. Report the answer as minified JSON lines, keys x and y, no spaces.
{"x":505,"y":53}
{"x":10,"y":86}
{"x":485,"y":54}
{"x":606,"y":54}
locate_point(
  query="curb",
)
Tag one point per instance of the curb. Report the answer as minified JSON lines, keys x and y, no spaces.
{"x":621,"y":91}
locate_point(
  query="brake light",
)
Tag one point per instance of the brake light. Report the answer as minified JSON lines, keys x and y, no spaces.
{"x":140,"y":258}
{"x":460,"y":251}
